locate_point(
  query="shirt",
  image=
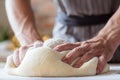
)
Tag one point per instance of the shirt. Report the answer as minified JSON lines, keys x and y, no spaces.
{"x":80,"y":8}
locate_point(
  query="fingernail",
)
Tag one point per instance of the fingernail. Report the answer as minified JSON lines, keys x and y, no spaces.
{"x":76,"y":66}
{"x":56,"y":48}
{"x":63,"y":59}
{"x":66,"y":60}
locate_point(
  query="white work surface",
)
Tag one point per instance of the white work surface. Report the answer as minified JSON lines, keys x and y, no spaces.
{"x":114,"y":74}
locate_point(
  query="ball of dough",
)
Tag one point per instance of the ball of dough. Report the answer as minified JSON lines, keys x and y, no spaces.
{"x":44,"y":61}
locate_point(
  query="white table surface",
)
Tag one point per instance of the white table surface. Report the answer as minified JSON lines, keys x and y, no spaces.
{"x":114,"y":74}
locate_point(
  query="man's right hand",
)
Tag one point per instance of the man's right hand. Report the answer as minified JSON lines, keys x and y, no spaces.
{"x":19,"y":53}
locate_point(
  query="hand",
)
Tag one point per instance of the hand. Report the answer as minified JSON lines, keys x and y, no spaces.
{"x":19,"y":54}
{"x":86,"y":50}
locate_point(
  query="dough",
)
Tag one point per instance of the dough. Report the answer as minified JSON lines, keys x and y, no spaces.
{"x":44,"y":61}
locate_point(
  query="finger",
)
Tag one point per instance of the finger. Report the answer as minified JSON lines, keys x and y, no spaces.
{"x":16,"y":59}
{"x":22,"y":52}
{"x":83,"y":59}
{"x":66,"y":46}
{"x":101,"y":64}
{"x":37,"y":44}
{"x":76,"y":52}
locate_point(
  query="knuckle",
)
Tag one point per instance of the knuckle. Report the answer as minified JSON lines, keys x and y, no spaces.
{"x":76,"y":49}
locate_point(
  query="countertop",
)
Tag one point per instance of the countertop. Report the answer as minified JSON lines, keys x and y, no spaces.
{"x":114,"y":74}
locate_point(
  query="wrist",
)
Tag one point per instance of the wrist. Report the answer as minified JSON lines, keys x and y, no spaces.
{"x":110,"y":41}
{"x":28,"y":38}
{"x":111,"y":31}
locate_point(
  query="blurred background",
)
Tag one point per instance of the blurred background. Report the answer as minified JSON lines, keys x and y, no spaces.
{"x":45,"y":13}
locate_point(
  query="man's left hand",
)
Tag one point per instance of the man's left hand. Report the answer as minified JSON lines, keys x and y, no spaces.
{"x":95,"y":47}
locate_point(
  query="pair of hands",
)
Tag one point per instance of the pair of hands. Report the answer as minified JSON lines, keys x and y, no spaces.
{"x":86,"y":50}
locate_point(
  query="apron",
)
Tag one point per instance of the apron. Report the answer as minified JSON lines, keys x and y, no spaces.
{"x":75,"y":33}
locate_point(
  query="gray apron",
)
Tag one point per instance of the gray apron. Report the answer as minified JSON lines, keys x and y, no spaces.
{"x":79,"y":8}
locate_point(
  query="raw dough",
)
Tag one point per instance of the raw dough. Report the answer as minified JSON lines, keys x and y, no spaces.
{"x":44,"y":61}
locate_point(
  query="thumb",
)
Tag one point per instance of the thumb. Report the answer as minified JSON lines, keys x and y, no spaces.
{"x":22,"y":52}
{"x":16,"y":58}
{"x":101,"y":64}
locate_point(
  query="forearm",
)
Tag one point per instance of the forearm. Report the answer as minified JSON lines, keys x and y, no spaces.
{"x":111,"y":31}
{"x":22,"y":21}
